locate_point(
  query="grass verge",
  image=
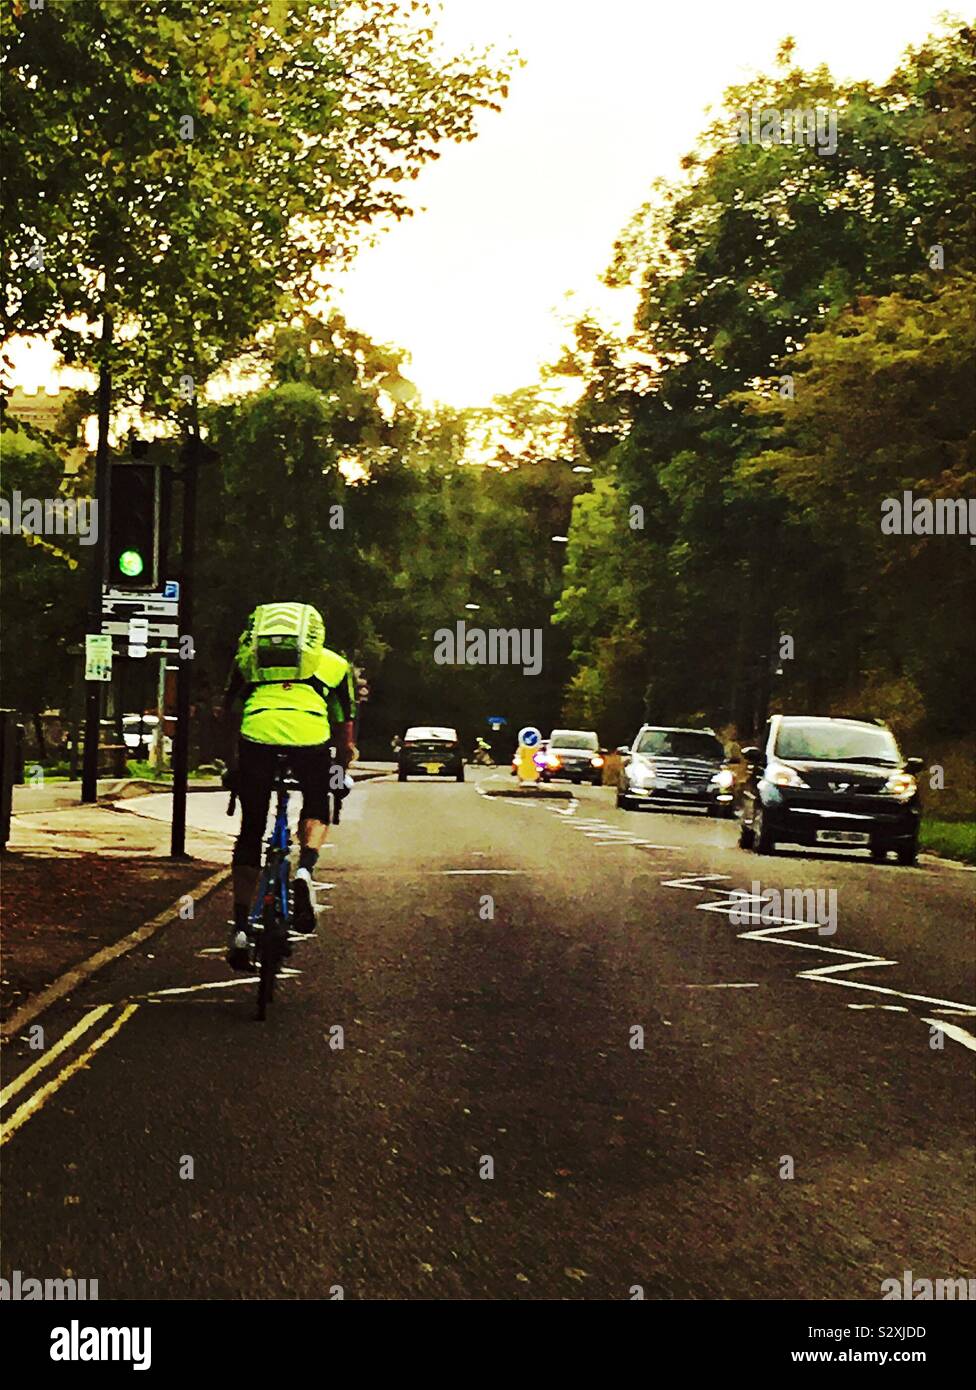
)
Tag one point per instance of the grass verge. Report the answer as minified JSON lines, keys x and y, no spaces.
{"x":953,"y":839}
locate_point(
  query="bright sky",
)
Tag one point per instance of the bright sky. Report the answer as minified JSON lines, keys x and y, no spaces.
{"x":475,"y":286}
{"x":611,"y":96}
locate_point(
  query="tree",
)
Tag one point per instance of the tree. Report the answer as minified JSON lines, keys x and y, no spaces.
{"x":189,"y":166}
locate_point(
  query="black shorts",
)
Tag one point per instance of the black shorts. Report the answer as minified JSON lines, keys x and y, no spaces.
{"x":257,"y":765}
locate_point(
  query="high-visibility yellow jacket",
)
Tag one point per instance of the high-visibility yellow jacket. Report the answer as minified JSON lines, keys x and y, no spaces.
{"x":300,"y":713}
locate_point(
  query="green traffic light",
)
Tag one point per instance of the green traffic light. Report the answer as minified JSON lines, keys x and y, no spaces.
{"x":131,"y":564}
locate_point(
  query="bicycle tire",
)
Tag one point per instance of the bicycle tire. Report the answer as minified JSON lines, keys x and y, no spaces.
{"x":267,"y":962}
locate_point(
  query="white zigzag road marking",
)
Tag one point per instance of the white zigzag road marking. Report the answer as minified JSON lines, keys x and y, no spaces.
{"x":773,"y":930}
{"x":958,"y":1035}
{"x":695,"y":884}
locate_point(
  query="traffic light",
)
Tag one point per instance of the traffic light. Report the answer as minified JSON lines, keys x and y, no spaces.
{"x":133,"y":526}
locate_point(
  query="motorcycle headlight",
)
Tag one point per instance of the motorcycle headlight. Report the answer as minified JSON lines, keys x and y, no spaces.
{"x":724,"y":779}
{"x":782,"y":776}
{"x":901,"y":785}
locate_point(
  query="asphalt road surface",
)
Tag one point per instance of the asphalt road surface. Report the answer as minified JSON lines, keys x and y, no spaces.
{"x":566,"y":1072}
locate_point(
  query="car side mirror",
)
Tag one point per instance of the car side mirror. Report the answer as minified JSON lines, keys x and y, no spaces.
{"x":914,"y":764}
{"x":623,"y":751}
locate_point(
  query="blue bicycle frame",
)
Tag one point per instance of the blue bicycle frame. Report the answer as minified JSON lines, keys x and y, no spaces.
{"x":274,"y":876}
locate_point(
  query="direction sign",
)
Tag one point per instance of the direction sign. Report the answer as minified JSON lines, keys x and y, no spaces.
{"x":529,"y":736}
{"x":120,"y":628}
{"x":132,"y":604}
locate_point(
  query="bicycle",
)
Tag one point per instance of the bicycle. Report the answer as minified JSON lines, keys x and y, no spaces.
{"x":268,"y":922}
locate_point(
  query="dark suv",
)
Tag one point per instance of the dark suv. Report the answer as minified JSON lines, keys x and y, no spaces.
{"x":837,"y":782}
{"x":676,"y":767}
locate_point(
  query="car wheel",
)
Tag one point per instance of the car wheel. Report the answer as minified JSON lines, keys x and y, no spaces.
{"x":745,"y":835}
{"x":908,"y":853}
{"x":762,"y":840}
{"x":624,"y":802}
{"x":878,"y":854}
{"x":401,"y":776}
{"x":460,"y":774}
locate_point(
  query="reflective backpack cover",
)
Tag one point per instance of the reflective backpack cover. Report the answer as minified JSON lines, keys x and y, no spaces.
{"x":282,"y":642}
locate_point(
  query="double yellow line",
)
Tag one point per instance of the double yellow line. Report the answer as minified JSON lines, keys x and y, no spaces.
{"x":39,"y":1098}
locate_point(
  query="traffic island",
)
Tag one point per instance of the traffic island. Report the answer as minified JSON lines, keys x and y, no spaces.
{"x":529,"y":792}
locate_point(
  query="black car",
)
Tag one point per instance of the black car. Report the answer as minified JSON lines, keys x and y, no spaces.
{"x":830,"y":782}
{"x":573,"y":754}
{"x":430,"y":750}
{"x":676,"y":767}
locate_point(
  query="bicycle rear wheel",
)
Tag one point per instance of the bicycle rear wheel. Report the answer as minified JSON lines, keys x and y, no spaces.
{"x":268,"y":957}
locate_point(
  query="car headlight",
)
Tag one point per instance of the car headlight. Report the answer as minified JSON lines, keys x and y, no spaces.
{"x":641,"y":776}
{"x":782,"y":776}
{"x":723,"y":779}
{"x":596,"y":762}
{"x":901,"y":785}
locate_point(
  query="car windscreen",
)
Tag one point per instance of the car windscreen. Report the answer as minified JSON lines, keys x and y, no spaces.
{"x":826,"y":740}
{"x":574,"y":738}
{"x":680,"y":743}
{"x":427,"y":733}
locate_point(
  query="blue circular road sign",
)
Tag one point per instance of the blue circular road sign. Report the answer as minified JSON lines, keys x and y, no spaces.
{"x":529,"y":736}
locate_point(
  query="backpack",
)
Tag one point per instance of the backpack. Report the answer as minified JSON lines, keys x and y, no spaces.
{"x":282,"y":642}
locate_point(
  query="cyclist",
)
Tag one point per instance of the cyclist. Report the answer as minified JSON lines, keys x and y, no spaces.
{"x":295,"y":694}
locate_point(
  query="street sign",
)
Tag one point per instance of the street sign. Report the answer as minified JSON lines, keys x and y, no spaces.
{"x":120,"y":628}
{"x":132,"y":603}
{"x":138,"y":636}
{"x":98,"y":657}
{"x":149,"y":615}
{"x":496,"y":721}
{"x":171,"y":589}
{"x":529,"y":736}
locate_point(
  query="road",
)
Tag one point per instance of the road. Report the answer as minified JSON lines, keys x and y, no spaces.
{"x":565,"y":1073}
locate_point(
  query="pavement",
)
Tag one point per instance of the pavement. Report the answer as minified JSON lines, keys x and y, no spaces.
{"x":530,"y":1054}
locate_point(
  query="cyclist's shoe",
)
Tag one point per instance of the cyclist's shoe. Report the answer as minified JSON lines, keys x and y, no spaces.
{"x":303,"y":911}
{"x":238,"y":954}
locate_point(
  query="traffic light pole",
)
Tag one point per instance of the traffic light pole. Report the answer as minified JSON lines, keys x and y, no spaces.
{"x":181,"y":742}
{"x":93,"y":689}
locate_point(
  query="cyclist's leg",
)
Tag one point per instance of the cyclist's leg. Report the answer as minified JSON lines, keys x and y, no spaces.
{"x":312,"y":768}
{"x":256,"y":764}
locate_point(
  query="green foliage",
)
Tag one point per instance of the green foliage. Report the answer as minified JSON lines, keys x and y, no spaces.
{"x":43,"y":592}
{"x":191,"y":167}
{"x":761,"y":512}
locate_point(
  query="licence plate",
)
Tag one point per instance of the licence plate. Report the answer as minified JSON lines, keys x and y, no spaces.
{"x":432,"y":767}
{"x":843,"y":837}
